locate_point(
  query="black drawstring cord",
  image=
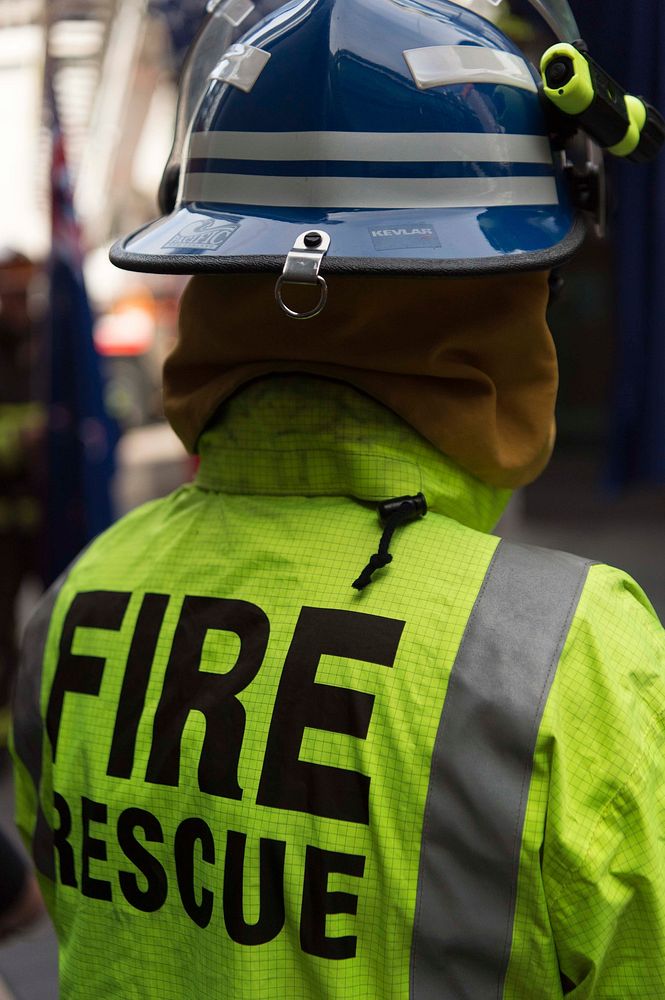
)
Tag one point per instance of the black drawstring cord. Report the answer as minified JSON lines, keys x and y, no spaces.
{"x":393,"y":513}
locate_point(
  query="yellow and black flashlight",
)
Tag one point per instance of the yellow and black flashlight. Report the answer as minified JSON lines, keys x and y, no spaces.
{"x":581,"y":90}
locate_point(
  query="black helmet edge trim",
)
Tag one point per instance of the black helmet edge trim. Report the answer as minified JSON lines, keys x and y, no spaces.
{"x":212,"y":264}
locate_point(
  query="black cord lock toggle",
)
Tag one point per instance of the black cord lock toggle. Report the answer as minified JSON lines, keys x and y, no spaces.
{"x":393,"y":514}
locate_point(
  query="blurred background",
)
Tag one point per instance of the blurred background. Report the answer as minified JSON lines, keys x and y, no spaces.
{"x":88,"y":94}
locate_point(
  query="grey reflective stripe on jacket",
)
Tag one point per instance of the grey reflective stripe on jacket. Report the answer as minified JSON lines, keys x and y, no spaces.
{"x":481,"y":770}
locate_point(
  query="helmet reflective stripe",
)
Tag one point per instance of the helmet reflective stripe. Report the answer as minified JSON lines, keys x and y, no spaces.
{"x":408,"y":147}
{"x":369,"y":192}
{"x":394,"y":180}
{"x":444,"y":65}
{"x":241,"y":66}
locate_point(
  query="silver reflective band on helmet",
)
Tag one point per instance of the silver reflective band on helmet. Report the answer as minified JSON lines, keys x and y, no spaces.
{"x":321,"y":191}
{"x":369,"y":192}
{"x":368,"y":147}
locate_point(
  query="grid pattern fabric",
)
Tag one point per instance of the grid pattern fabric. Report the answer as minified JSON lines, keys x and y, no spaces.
{"x":280,"y":521}
{"x":280,"y":555}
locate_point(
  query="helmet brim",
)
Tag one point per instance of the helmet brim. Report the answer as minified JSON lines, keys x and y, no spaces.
{"x":197,"y":239}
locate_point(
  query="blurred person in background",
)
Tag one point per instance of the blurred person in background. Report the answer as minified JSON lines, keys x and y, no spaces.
{"x":21,"y":902}
{"x":21,"y":439}
{"x":21,"y":457}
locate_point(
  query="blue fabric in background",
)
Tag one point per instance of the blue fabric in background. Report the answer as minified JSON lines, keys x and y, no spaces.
{"x":81,"y":437}
{"x":628,"y":39}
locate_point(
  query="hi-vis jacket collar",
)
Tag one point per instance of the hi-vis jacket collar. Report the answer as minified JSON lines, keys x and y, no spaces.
{"x":284,"y":436}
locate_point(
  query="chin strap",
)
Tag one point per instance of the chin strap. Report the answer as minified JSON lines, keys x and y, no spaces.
{"x":393,"y":514}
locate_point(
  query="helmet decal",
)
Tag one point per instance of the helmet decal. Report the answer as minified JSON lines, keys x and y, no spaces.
{"x":443,"y":65}
{"x":241,"y":66}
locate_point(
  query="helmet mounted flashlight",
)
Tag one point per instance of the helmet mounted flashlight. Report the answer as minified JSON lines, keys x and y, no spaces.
{"x":587,"y":97}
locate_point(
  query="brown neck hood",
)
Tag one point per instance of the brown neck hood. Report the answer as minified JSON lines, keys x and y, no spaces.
{"x":467,"y":362}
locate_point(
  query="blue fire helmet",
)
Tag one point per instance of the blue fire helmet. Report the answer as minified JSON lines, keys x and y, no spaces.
{"x":405,"y":136}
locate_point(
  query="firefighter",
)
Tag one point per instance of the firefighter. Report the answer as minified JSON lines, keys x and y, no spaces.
{"x":305,"y":728}
{"x":21,"y":903}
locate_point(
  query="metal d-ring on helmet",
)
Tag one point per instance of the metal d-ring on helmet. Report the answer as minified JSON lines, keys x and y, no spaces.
{"x":302,"y":267}
{"x":412,"y":134}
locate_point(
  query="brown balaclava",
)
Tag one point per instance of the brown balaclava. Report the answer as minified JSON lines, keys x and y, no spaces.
{"x":467,"y":362}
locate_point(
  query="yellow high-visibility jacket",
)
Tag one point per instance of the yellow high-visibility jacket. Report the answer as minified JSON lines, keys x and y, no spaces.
{"x":241,"y":778}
